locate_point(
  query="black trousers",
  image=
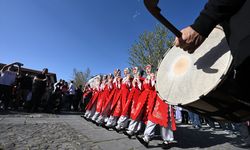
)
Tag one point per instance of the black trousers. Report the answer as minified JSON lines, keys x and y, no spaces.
{"x":6,"y":94}
{"x":37,"y":94}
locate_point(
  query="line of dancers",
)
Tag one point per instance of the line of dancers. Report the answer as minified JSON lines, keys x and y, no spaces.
{"x":126,"y":104}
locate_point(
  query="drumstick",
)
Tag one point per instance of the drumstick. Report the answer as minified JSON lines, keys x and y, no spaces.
{"x":152,"y":7}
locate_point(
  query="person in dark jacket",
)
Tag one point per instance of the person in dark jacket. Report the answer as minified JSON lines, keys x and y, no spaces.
{"x":78,"y":97}
{"x":38,"y":89}
{"x":215,"y":12}
{"x":234,"y":17}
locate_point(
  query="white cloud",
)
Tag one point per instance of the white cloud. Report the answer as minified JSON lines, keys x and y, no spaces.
{"x":137,"y":13}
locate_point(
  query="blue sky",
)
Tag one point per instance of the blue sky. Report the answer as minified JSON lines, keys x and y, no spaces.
{"x":66,"y":34}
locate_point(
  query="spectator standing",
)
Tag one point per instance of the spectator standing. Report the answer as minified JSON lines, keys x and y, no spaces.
{"x":38,"y":89}
{"x":65,"y":94}
{"x":8,"y":76}
{"x":78,"y":97}
{"x":184,"y":116}
{"x":195,"y":120}
{"x":24,"y":89}
{"x":178,"y":115}
{"x":55,"y":100}
{"x":72,"y":90}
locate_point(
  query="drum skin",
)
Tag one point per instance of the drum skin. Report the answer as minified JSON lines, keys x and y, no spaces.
{"x":183,"y":78}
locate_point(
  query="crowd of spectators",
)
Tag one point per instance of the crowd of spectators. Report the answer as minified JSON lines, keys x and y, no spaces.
{"x":36,"y":93}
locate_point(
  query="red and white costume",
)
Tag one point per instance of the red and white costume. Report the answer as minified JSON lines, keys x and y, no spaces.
{"x":113,"y":89}
{"x":141,"y":107}
{"x":120,"y":100}
{"x":103,"y":95}
{"x":160,"y":113}
{"x":108,"y":92}
{"x":112,"y":101}
{"x":86,"y":96}
{"x":91,"y":107}
{"x":122,"y":97}
{"x":140,"y":111}
{"x":131,"y":101}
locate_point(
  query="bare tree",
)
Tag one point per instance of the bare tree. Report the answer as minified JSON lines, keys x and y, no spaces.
{"x":151,"y":47}
{"x":79,"y":77}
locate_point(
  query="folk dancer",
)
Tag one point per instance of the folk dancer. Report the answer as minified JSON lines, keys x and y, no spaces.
{"x":139,"y":112}
{"x":159,"y":113}
{"x":91,"y":107}
{"x":121,"y":98}
{"x":133,"y":96}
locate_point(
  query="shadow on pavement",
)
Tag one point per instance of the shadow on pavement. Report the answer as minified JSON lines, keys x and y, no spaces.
{"x":195,"y":138}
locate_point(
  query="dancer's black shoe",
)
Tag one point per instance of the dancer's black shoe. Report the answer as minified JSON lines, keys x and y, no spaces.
{"x":141,"y":140}
{"x":129,"y":135}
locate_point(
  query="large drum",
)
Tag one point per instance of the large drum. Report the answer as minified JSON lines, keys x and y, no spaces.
{"x":200,"y":81}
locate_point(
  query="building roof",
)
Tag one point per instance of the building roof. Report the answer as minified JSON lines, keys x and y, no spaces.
{"x":33,"y":72}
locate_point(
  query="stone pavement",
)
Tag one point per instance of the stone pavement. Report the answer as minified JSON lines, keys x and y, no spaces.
{"x":20,"y":130}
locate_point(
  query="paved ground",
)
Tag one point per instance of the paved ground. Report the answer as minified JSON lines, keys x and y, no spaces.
{"x":70,"y":131}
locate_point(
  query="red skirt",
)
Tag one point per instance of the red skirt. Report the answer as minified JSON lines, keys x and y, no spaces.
{"x":116,"y":106}
{"x":159,"y":112}
{"x":92,"y":101}
{"x":131,"y":101}
{"x":141,"y":106}
{"x":107,"y":106}
{"x":102,"y":99}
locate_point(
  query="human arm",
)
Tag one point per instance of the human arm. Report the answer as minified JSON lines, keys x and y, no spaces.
{"x":39,"y":77}
{"x":12,"y":64}
{"x":19,"y":68}
{"x":214,"y":12}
